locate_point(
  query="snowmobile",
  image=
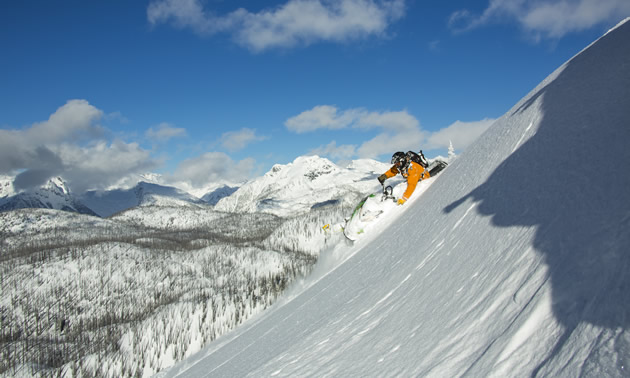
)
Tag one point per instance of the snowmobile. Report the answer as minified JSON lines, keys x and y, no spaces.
{"x":374,"y":206}
{"x":368,"y":209}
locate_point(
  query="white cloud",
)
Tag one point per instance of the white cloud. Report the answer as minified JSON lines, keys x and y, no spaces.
{"x":399,"y":131}
{"x":237,"y":140}
{"x":388,"y":143}
{"x":329,"y":117}
{"x":343,"y":152}
{"x":70,"y":143}
{"x":544,"y":18}
{"x":164,"y":132}
{"x":395,"y":122}
{"x":462,"y":134}
{"x":297,"y":22}
{"x":103,"y":164}
{"x":210,"y":168}
{"x":117,"y":116}
{"x":75,"y":120}
{"x":323,"y":117}
{"x":181,"y":13}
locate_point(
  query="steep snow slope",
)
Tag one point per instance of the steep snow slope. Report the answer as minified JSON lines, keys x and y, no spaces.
{"x":296,"y":187}
{"x":514,"y":262}
{"x":216,"y":195}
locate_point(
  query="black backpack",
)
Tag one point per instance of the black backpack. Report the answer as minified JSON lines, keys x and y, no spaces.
{"x":418,"y":158}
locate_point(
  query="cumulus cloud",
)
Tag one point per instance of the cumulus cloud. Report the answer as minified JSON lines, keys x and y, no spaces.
{"x":103,"y":164}
{"x":329,"y":117}
{"x":297,"y":22}
{"x":237,"y":140}
{"x":49,"y":165}
{"x":544,"y":18}
{"x":398,"y":129}
{"x":343,"y":152}
{"x":386,"y":143}
{"x":70,"y":144}
{"x":164,"y":132}
{"x":395,"y":122}
{"x":322,"y":117}
{"x":210,"y":168}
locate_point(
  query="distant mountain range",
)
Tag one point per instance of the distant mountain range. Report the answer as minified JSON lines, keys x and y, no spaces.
{"x":55,"y":194}
{"x":109,"y":202}
{"x":307,"y":182}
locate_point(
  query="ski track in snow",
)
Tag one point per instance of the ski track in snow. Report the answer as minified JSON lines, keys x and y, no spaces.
{"x":460,"y":220}
{"x":525,"y":133}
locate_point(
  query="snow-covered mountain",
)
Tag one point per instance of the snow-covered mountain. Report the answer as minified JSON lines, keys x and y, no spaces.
{"x":284,"y":190}
{"x":54,"y":194}
{"x":106,"y":203}
{"x":514,"y":262}
{"x":306,"y":182}
{"x":213,"y":197}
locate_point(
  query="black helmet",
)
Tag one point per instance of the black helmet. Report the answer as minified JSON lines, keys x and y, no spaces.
{"x":399,"y":158}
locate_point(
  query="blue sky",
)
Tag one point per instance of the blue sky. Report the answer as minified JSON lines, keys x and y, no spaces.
{"x":207,"y":91}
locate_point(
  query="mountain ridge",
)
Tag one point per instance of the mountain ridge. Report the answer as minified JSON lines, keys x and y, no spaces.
{"x":54,"y":194}
{"x":296,"y":187}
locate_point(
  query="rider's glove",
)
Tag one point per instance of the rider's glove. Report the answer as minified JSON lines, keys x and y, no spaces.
{"x":382,"y":178}
{"x":401,"y":201}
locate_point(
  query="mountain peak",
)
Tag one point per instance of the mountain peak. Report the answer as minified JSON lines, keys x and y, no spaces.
{"x":54,"y":194}
{"x":58,"y":186}
{"x":294,"y":187}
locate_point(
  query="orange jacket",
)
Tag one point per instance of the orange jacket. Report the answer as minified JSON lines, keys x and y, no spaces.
{"x":414,"y":173}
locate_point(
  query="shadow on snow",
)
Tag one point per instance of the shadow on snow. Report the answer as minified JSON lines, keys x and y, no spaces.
{"x":572,"y":181}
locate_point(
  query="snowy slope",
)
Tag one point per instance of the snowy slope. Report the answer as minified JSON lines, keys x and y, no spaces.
{"x":176,"y":217}
{"x":306,"y":182}
{"x":54,"y":194}
{"x":216,"y":195}
{"x":514,"y":262}
{"x":106,"y":203}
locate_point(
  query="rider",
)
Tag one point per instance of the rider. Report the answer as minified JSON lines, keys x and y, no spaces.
{"x":409,"y":169}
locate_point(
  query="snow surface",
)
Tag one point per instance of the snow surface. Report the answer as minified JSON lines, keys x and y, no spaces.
{"x":514,"y":262}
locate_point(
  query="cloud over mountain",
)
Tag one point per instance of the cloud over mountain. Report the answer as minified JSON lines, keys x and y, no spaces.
{"x":72,"y":144}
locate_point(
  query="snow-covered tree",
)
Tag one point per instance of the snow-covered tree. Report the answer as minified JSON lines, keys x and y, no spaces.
{"x":451,"y":150}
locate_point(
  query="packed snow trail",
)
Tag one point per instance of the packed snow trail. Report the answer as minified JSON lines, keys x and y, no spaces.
{"x":513,"y":263}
